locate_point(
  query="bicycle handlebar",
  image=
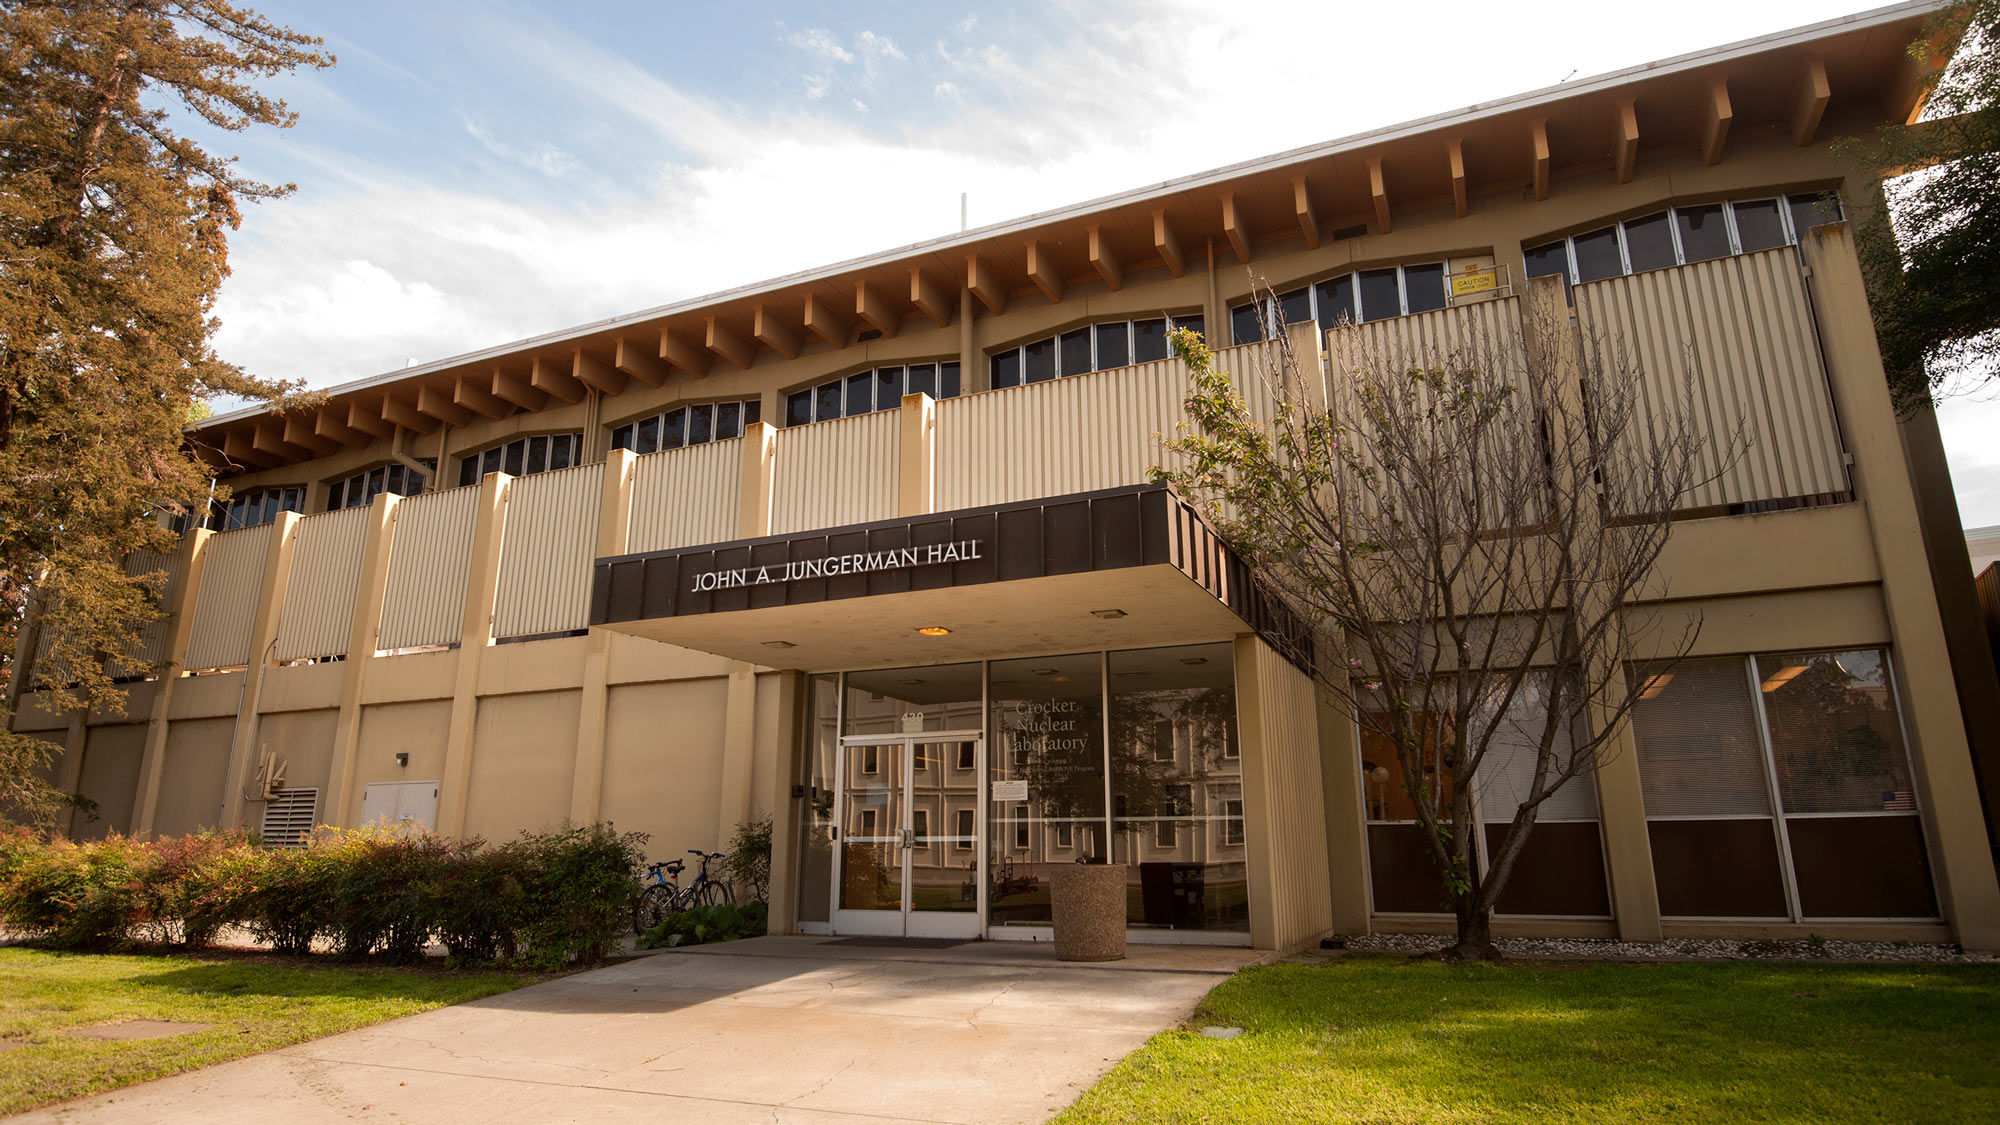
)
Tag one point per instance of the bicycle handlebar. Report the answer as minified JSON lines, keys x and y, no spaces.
{"x":705,"y":855}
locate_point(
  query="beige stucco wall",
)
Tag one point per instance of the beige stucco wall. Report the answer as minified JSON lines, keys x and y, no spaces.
{"x":663,"y":762}
{"x":191,"y":780}
{"x":110,"y":777}
{"x":525,"y":750}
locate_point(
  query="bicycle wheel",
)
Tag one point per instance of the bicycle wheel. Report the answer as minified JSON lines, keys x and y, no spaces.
{"x":715,"y":894}
{"x":655,"y":904}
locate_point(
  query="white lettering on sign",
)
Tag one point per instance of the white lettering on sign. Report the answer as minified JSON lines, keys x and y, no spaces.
{"x":863,"y":562}
{"x":1009,"y":790}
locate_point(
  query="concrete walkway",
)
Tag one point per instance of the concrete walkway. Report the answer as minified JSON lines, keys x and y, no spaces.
{"x":787,"y":1029}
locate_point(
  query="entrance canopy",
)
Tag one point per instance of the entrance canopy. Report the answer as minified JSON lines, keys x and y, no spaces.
{"x":1122,"y":568}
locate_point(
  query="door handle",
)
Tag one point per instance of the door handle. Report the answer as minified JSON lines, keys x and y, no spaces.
{"x":909,"y":837}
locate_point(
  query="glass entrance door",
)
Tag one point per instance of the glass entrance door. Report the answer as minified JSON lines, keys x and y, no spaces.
{"x":906,"y":837}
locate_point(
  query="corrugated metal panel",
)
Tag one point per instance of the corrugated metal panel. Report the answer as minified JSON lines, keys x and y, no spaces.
{"x":326,"y":574}
{"x":1301,"y":894}
{"x":232,"y":576}
{"x":684,"y":497}
{"x":152,"y":646}
{"x":430,"y":561}
{"x":1742,"y":324}
{"x":834,"y":473}
{"x":1482,"y":326}
{"x":547,"y":552}
{"x":1084,"y":432}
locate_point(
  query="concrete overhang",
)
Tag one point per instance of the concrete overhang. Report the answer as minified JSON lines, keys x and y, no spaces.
{"x":1124,"y":568}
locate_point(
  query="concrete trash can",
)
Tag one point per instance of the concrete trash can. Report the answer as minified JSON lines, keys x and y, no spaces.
{"x":1088,"y":902}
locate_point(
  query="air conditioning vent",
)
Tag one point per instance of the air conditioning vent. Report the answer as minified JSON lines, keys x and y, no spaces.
{"x":289,"y":818}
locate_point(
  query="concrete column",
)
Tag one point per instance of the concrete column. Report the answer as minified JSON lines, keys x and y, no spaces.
{"x":614,"y":518}
{"x":342,"y":806}
{"x":475,"y":636}
{"x":739,"y":729}
{"x":753,"y":508}
{"x":972,"y":374}
{"x":263,"y":634}
{"x":1216,"y":317}
{"x":916,"y":477}
{"x":152,"y":762}
{"x":1621,"y":797}
{"x":1257,"y":828}
{"x":1346,"y":819}
{"x":782,"y":773}
{"x":69,"y":771}
{"x":1939,"y":752}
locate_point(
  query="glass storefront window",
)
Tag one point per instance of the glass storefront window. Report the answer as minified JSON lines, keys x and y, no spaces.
{"x":1045,"y":776}
{"x":891,"y":700}
{"x":1834,"y":734}
{"x":1177,"y":788}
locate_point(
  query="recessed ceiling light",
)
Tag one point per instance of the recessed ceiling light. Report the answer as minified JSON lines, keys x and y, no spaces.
{"x":1108,"y":614}
{"x":912,"y":681}
{"x":1194,"y":660}
{"x":1135,"y":672}
{"x":1000,"y":683}
{"x":935,"y":631}
{"x":779,"y":644}
{"x":1046,"y":671}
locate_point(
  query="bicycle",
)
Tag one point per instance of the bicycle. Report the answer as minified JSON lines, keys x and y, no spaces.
{"x":664,"y":895}
{"x":660,"y":897}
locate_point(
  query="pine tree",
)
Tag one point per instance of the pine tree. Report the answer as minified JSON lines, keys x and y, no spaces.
{"x":113,"y":242}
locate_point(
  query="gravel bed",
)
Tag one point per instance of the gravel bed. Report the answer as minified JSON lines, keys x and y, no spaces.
{"x":1685,"y":949}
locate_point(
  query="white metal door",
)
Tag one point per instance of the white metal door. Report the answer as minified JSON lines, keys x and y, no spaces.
{"x":406,"y":804}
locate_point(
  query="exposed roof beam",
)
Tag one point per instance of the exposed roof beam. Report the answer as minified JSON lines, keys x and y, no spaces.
{"x":639,"y":358}
{"x":1378,"y":193}
{"x":436,"y":403}
{"x":331,"y":424}
{"x":595,"y":373}
{"x":468,"y":393}
{"x":984,"y":285}
{"x":1538,"y":136}
{"x":927,"y":296}
{"x":773,"y":334}
{"x":729,"y":345}
{"x":298,"y":430}
{"x":409,"y":417}
{"x":1715,"y":127}
{"x":1303,"y":204}
{"x":1044,"y":273}
{"x":1626,"y":155}
{"x":682,"y":354}
{"x":238,"y":447}
{"x":1104,"y":261}
{"x":1455,"y":153}
{"x":1814,"y":93}
{"x":870,"y":307}
{"x":1239,"y":241}
{"x":1168,"y":244}
{"x":367,"y":417}
{"x":518,"y":391}
{"x":825,"y":323}
{"x":554,"y":379}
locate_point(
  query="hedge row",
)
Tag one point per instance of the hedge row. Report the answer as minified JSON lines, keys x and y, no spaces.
{"x":543,"y":900}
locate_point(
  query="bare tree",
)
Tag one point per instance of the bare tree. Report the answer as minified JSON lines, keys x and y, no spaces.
{"x":1464,"y":529}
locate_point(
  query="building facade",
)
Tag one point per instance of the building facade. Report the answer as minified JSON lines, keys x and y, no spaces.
{"x":871,"y":550}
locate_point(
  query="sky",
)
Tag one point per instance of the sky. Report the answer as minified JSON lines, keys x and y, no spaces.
{"x":475,"y":173}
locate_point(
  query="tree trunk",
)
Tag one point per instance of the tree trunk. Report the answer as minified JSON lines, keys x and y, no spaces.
{"x":1475,"y":931}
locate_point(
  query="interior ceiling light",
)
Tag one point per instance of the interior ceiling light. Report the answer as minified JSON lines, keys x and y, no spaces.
{"x":1782,"y":676}
{"x":1108,"y":614}
{"x":779,"y":644}
{"x":1046,"y":671}
{"x":1194,"y":660}
{"x":911,"y":681}
{"x":1655,"y":685}
{"x":935,"y":631}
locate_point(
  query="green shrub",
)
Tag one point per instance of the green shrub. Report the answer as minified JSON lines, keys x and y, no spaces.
{"x":200,"y":883}
{"x":292,"y":901}
{"x":479,"y":902}
{"x":721,"y":922}
{"x":79,"y":896}
{"x":748,"y":864}
{"x":580,"y":884}
{"x":385,"y":889}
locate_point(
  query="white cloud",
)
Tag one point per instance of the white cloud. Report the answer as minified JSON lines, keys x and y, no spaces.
{"x":880,"y":46}
{"x":819,"y":42}
{"x":950,"y":91}
{"x":548,"y":159}
{"x":817,"y":85}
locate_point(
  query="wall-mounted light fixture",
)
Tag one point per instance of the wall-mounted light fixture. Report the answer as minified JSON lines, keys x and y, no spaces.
{"x":403,"y":760}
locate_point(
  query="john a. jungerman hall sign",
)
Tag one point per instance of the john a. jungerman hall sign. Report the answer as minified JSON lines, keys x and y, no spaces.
{"x":860,"y":562}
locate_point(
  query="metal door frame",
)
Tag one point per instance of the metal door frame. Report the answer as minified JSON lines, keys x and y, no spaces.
{"x":909,"y":921}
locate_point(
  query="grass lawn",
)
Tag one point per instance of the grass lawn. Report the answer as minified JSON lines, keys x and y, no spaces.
{"x":256,"y":1003}
{"x":1385,"y":1039}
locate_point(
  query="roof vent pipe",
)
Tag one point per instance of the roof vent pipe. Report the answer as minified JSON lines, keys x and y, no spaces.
{"x":403,"y":458}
